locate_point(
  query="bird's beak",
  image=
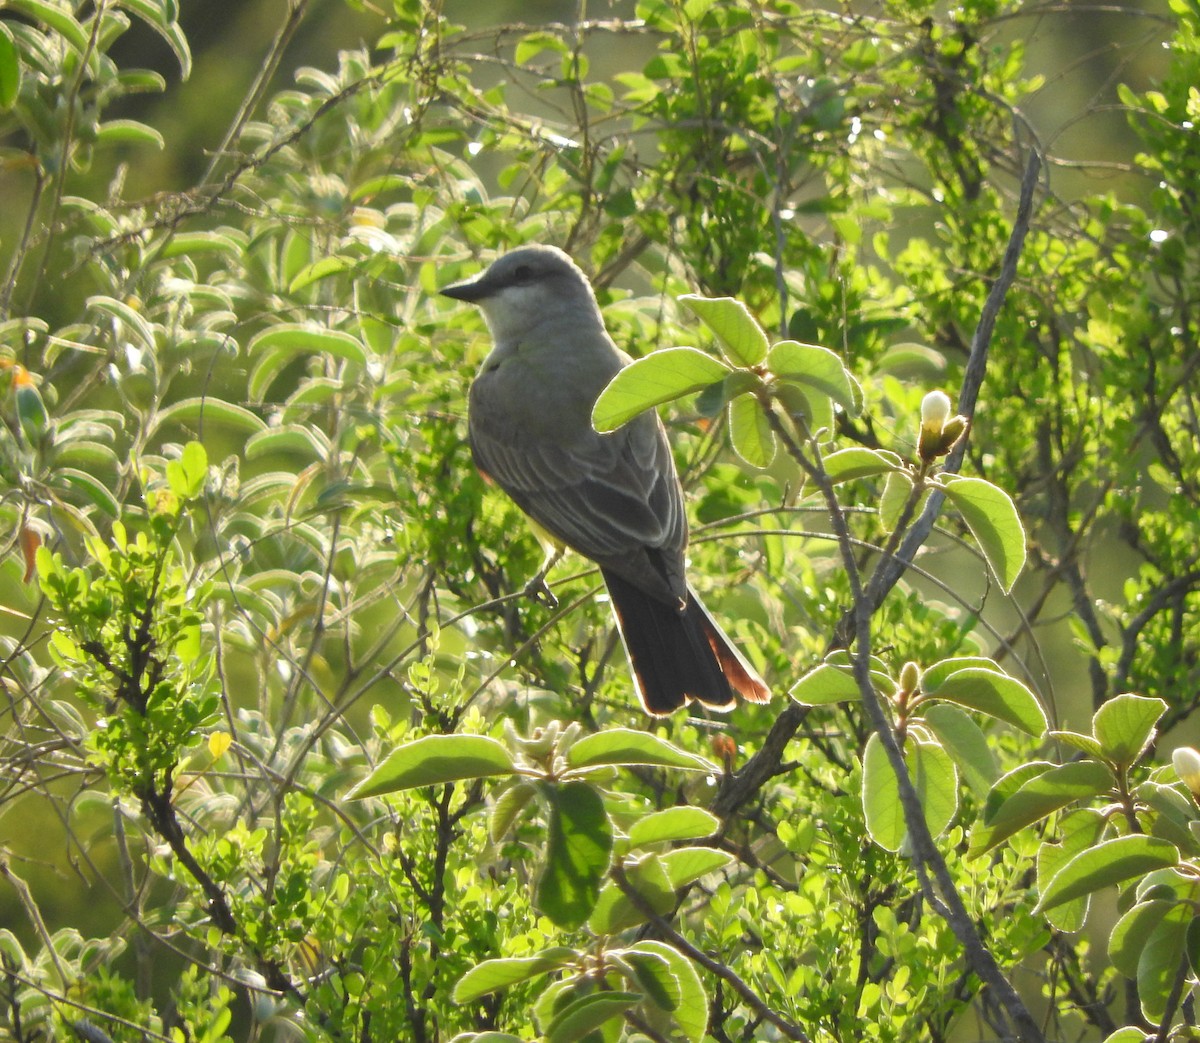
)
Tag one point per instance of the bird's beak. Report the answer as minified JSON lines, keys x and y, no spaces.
{"x":472,"y":291}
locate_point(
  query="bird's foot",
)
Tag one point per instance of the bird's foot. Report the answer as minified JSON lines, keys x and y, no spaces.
{"x":537,"y":590}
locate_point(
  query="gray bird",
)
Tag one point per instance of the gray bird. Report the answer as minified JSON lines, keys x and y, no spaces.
{"x":614,"y":498}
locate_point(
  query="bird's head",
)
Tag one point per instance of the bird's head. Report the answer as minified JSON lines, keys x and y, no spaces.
{"x":528,"y":287}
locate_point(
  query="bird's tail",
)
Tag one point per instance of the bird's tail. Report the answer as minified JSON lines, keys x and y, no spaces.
{"x":679,"y":655}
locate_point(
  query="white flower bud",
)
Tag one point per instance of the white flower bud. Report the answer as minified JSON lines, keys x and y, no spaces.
{"x":935,"y":408}
{"x":1187,"y":767}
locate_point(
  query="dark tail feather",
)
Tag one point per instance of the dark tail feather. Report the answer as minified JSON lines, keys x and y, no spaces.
{"x":677,"y":656}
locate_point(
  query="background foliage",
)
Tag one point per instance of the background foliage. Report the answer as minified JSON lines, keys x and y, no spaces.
{"x":247,"y":561}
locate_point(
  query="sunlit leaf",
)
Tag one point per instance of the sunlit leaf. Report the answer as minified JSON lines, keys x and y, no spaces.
{"x":433,"y":760}
{"x":992,"y":518}
{"x":741,"y":337}
{"x":662,"y":376}
{"x":577,"y":854}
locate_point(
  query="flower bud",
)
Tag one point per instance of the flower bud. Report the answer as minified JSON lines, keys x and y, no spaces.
{"x":935,"y":408}
{"x":910,"y":677}
{"x":1187,"y":767}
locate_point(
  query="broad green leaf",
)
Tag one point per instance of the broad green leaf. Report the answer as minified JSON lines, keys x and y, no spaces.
{"x":651,"y":973}
{"x":1173,"y":814}
{"x":897,"y":488}
{"x":912,"y":362}
{"x":203,"y":411}
{"x":163,"y":21}
{"x":508,"y":806}
{"x":494,"y":975}
{"x":742,"y":337}
{"x":434,"y":760}
{"x":1124,"y":726}
{"x":293,"y":440}
{"x":629,"y":746}
{"x":10,"y":70}
{"x":1161,"y":961}
{"x":662,"y":376}
{"x":226,"y":243}
{"x":995,"y":694}
{"x":1077,"y":830}
{"x":687,"y":864}
{"x":55,"y":17}
{"x":305,"y":339}
{"x":577,"y":854}
{"x":319,"y":269}
{"x":1048,"y":792}
{"x":117,"y":132}
{"x":186,"y":476}
{"x":615,"y":911}
{"x":682,"y":823}
{"x":859,"y":462}
{"x":812,"y":366}
{"x":1129,"y":1034}
{"x":933,"y":676}
{"x":750,"y":431}
{"x":91,"y":487}
{"x":134,"y":323}
{"x":1109,"y":862}
{"x":933,"y":777}
{"x":1080,"y":742}
{"x":583,"y":1015}
{"x":963,"y":739}
{"x":825,"y":684}
{"x":992,"y":518}
{"x":689,"y":1020}
{"x":1132,"y":931}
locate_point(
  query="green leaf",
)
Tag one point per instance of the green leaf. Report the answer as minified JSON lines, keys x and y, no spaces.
{"x":189,"y":244}
{"x":897,"y":488}
{"x":434,"y":760}
{"x":114,"y":132}
{"x":995,"y":694}
{"x":933,"y":777}
{"x":54,"y":17}
{"x":859,"y":462}
{"x":1078,"y":830}
{"x":1124,"y":726}
{"x":163,"y":21}
{"x":825,"y":684}
{"x":662,"y":376}
{"x":583,"y":1015}
{"x":298,"y":339}
{"x":992,"y":518}
{"x":134,"y":323}
{"x":628,"y":746}
{"x":816,"y":368}
{"x":932,"y":677}
{"x":494,"y":975}
{"x":1161,"y":961}
{"x":1110,"y":862}
{"x":1080,"y":742}
{"x":685,"y":865}
{"x":186,"y":476}
{"x":750,"y":431}
{"x":1048,"y":792}
{"x":1132,"y":931}
{"x":964,"y":740}
{"x":740,"y":335}
{"x":615,"y":911}
{"x":682,"y":823}
{"x":318,"y":270}
{"x":688,"y":1022}
{"x":10,"y":70}
{"x":91,"y":487}
{"x":577,"y":854}
{"x":508,"y":806}
{"x":203,"y":411}
{"x":651,"y":973}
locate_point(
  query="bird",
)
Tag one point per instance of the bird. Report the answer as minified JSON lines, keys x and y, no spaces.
{"x":614,"y":498}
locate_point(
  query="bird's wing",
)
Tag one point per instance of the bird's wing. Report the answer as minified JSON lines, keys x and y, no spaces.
{"x":606,"y":496}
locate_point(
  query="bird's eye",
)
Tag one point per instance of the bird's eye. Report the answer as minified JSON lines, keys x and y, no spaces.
{"x":523,"y":274}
